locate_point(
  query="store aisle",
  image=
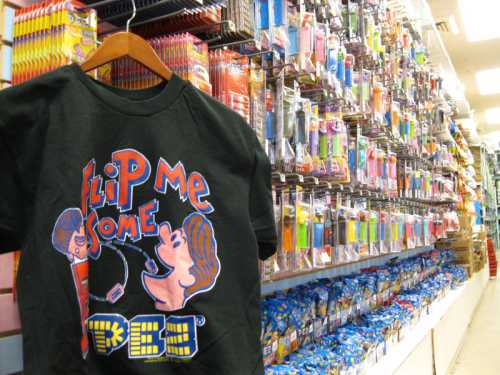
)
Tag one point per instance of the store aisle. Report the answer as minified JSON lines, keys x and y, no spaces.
{"x":479,"y":354}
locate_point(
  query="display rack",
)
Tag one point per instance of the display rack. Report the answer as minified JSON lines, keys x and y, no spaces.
{"x":419,"y":12}
{"x":396,"y":355}
{"x":431,"y":346}
{"x":287,"y":281}
{"x":117,"y":12}
{"x":489,"y":188}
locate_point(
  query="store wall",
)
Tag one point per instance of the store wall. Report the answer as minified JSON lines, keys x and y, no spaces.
{"x":421,"y":355}
{"x":448,"y":335}
{"x":10,"y":326}
{"x":9,"y":318}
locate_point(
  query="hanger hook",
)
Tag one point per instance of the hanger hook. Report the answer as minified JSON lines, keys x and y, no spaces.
{"x":134,"y":12}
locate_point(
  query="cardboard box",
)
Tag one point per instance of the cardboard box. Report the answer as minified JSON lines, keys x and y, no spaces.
{"x":9,"y":318}
{"x":6,"y":272}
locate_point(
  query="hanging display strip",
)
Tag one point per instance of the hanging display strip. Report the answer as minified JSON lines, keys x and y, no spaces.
{"x":197,"y":20}
{"x":321,"y":226}
{"x":118,"y":11}
{"x":215,"y":20}
{"x":347,"y":324}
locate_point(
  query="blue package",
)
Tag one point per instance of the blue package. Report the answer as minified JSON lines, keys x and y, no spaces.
{"x":264,"y":14}
{"x":319,"y":229}
{"x":293,"y":41}
{"x":279,"y":18}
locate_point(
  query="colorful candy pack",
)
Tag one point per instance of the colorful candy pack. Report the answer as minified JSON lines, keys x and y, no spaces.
{"x":51,"y":34}
{"x":229,"y":79}
{"x":184,"y":53}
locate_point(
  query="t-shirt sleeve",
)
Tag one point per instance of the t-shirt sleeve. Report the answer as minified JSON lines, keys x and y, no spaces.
{"x":23,"y":110}
{"x":11,"y":202}
{"x":261,"y":204}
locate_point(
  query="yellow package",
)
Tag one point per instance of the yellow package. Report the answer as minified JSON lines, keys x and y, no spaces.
{"x":351,"y":231}
{"x":80,"y":33}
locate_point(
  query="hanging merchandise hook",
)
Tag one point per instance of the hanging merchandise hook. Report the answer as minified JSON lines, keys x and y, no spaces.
{"x":134,"y":12}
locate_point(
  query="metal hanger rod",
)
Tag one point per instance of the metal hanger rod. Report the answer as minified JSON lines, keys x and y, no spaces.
{"x":100,"y":4}
{"x":134,"y":12}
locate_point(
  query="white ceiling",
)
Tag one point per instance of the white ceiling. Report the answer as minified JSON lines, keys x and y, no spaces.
{"x":468,"y":58}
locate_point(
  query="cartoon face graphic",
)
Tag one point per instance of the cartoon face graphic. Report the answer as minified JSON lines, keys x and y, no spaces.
{"x":190,"y":253}
{"x":68,"y":236}
{"x":77,"y":246}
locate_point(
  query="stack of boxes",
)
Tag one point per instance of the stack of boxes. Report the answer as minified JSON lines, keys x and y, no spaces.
{"x":480,"y":251}
{"x":461,"y":243}
{"x":469,"y":243}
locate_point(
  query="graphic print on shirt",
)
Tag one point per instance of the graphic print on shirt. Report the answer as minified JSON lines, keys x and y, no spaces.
{"x":144,"y":335}
{"x":188,"y":254}
{"x":68,"y":238}
{"x":191,"y":254}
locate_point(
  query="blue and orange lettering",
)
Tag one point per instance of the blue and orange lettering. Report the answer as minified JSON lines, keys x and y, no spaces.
{"x":111,"y":170}
{"x":198,"y":188}
{"x":109,"y":332}
{"x":93,"y":241}
{"x":145,"y":336}
{"x":111,"y":192}
{"x":96,"y":194}
{"x":134,"y":170}
{"x":88,"y":173}
{"x":147,"y":218}
{"x":128,"y":225}
{"x":175,"y":177}
{"x":107,"y":228}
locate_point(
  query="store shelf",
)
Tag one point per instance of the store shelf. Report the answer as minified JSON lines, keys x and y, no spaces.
{"x":399,"y":352}
{"x":439,"y":334}
{"x":288,"y":281}
{"x":117,"y":13}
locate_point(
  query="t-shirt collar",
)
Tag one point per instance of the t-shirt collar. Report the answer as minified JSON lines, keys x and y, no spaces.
{"x":134,"y":102}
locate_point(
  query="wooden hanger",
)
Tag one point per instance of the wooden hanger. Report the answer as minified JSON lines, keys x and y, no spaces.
{"x":127,"y":44}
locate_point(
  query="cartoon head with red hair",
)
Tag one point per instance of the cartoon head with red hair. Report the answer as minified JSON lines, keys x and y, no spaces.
{"x":190,"y":254}
{"x":68,"y":238}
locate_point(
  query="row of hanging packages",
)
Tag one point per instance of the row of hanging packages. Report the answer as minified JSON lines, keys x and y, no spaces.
{"x":367,"y":160}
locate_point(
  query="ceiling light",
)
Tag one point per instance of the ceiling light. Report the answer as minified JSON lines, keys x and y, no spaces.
{"x":488,"y":81}
{"x":453,"y":25}
{"x":492,"y":115}
{"x":480,"y":19}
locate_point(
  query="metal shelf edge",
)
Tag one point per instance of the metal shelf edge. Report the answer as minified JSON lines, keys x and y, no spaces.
{"x":340,"y":270}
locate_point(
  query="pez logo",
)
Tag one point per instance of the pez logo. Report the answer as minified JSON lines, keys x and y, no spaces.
{"x":109,"y":332}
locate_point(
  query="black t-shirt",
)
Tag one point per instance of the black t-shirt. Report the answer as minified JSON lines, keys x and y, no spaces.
{"x":140,"y":215}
